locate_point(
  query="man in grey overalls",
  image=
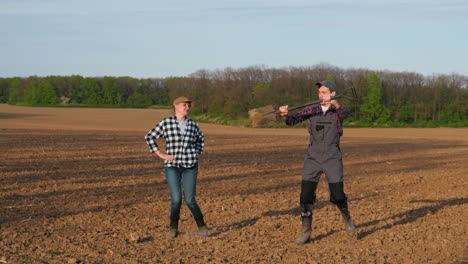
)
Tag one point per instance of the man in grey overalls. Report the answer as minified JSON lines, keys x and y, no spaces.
{"x":323,"y":155}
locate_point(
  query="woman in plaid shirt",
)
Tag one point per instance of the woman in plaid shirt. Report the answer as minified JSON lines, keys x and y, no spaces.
{"x":184,"y":141}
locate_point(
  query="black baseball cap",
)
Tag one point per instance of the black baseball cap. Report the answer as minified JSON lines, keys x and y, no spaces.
{"x":327,"y":83}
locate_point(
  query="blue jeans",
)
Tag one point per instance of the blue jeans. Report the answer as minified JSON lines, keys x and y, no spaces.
{"x":188,"y":177}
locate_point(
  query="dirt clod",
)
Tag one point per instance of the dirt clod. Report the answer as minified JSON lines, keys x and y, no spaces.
{"x":134,"y":237}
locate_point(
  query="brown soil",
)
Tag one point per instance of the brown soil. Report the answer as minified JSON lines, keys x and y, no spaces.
{"x":80,"y":186}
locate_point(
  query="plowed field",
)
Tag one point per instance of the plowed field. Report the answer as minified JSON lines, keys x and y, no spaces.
{"x":76,"y":185}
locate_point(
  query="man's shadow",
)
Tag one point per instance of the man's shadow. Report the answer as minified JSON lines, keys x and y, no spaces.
{"x":404,"y":217}
{"x":409,"y":215}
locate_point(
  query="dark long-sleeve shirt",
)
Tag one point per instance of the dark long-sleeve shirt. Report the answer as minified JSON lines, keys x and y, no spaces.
{"x":316,"y":110}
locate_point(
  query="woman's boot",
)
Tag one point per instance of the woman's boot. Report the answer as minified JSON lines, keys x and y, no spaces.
{"x":173,"y":229}
{"x":202,"y":228}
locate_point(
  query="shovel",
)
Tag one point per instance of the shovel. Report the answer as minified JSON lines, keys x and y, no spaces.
{"x":267,"y":114}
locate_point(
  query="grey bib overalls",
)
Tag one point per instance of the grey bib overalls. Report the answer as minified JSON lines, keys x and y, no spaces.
{"x":323,"y":153}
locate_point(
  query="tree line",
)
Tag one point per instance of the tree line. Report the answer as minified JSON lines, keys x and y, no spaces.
{"x":77,"y":90}
{"x":385,"y":98}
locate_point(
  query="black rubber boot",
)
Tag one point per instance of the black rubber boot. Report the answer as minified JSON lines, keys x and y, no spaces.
{"x":202,"y":228}
{"x":307,"y":200}
{"x":350,"y":228}
{"x":304,"y":236}
{"x":340,"y":199}
{"x":173,"y":229}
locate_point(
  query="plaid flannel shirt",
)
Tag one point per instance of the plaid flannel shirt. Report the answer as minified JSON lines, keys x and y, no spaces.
{"x":316,"y":110}
{"x":184,"y":147}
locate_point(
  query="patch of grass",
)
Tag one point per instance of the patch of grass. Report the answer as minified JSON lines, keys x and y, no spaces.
{"x":76,"y":105}
{"x":160,"y":107}
{"x":221,"y":120}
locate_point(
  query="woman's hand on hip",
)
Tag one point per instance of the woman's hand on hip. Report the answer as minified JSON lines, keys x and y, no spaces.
{"x":164,"y":156}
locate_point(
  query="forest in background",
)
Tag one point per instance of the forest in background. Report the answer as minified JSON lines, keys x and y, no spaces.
{"x":386,"y":99}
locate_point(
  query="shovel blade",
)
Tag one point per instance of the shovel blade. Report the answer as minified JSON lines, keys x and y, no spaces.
{"x":262,"y":116}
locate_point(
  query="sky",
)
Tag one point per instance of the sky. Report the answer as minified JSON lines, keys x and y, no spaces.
{"x":157,"y":39}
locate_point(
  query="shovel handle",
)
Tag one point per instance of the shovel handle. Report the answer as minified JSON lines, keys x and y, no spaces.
{"x":301,"y":105}
{"x":353,"y":90}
